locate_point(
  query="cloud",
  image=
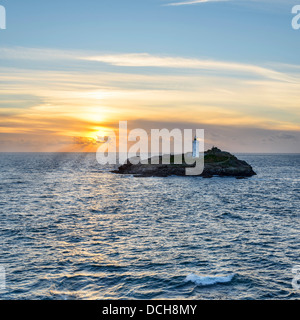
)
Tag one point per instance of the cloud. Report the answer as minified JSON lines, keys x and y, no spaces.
{"x":85,"y":141}
{"x":22,"y":53}
{"x":147,"y":60}
{"x":184,"y":3}
{"x":248,"y":139}
{"x":55,"y":104}
{"x":193,"y":2}
{"x":286,"y":136}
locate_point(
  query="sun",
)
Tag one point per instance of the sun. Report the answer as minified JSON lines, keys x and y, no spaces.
{"x":99,"y":133}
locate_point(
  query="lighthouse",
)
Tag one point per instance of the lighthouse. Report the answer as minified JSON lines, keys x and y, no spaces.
{"x":195,"y":148}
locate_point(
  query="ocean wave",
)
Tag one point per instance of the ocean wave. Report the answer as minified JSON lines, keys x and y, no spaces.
{"x":208,"y":280}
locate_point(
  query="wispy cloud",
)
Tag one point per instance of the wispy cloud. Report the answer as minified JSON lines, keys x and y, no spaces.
{"x":193,"y":2}
{"x":230,"y":68}
{"x":184,"y":3}
{"x":36,"y":54}
{"x":147,"y":60}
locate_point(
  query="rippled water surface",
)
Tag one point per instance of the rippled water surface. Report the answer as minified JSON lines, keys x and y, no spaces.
{"x":70,"y":229}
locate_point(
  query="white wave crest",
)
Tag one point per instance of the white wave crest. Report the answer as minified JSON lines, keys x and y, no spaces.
{"x":208,"y":280}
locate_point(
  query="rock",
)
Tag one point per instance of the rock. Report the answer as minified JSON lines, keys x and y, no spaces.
{"x":216,"y":163}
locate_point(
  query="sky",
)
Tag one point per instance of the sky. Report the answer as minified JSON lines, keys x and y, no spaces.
{"x":71,"y":70}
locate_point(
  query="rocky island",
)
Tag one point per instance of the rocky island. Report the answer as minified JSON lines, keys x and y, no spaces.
{"x":216,"y":163}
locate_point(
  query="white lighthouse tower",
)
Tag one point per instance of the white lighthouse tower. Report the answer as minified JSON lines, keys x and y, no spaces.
{"x":195,"y":148}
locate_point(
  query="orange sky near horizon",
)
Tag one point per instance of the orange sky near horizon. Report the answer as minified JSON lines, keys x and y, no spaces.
{"x":242,"y":107}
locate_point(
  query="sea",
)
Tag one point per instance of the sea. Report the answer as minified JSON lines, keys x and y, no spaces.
{"x":72,"y":230}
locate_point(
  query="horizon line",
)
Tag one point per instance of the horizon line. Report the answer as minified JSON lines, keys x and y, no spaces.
{"x":240,"y":152}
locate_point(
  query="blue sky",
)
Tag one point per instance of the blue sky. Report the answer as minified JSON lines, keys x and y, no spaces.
{"x":249,"y":31}
{"x":233,"y":64}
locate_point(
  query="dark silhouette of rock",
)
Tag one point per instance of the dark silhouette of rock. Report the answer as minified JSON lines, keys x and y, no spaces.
{"x":216,"y":163}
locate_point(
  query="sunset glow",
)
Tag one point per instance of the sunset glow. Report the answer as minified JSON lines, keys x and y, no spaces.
{"x":51,"y":97}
